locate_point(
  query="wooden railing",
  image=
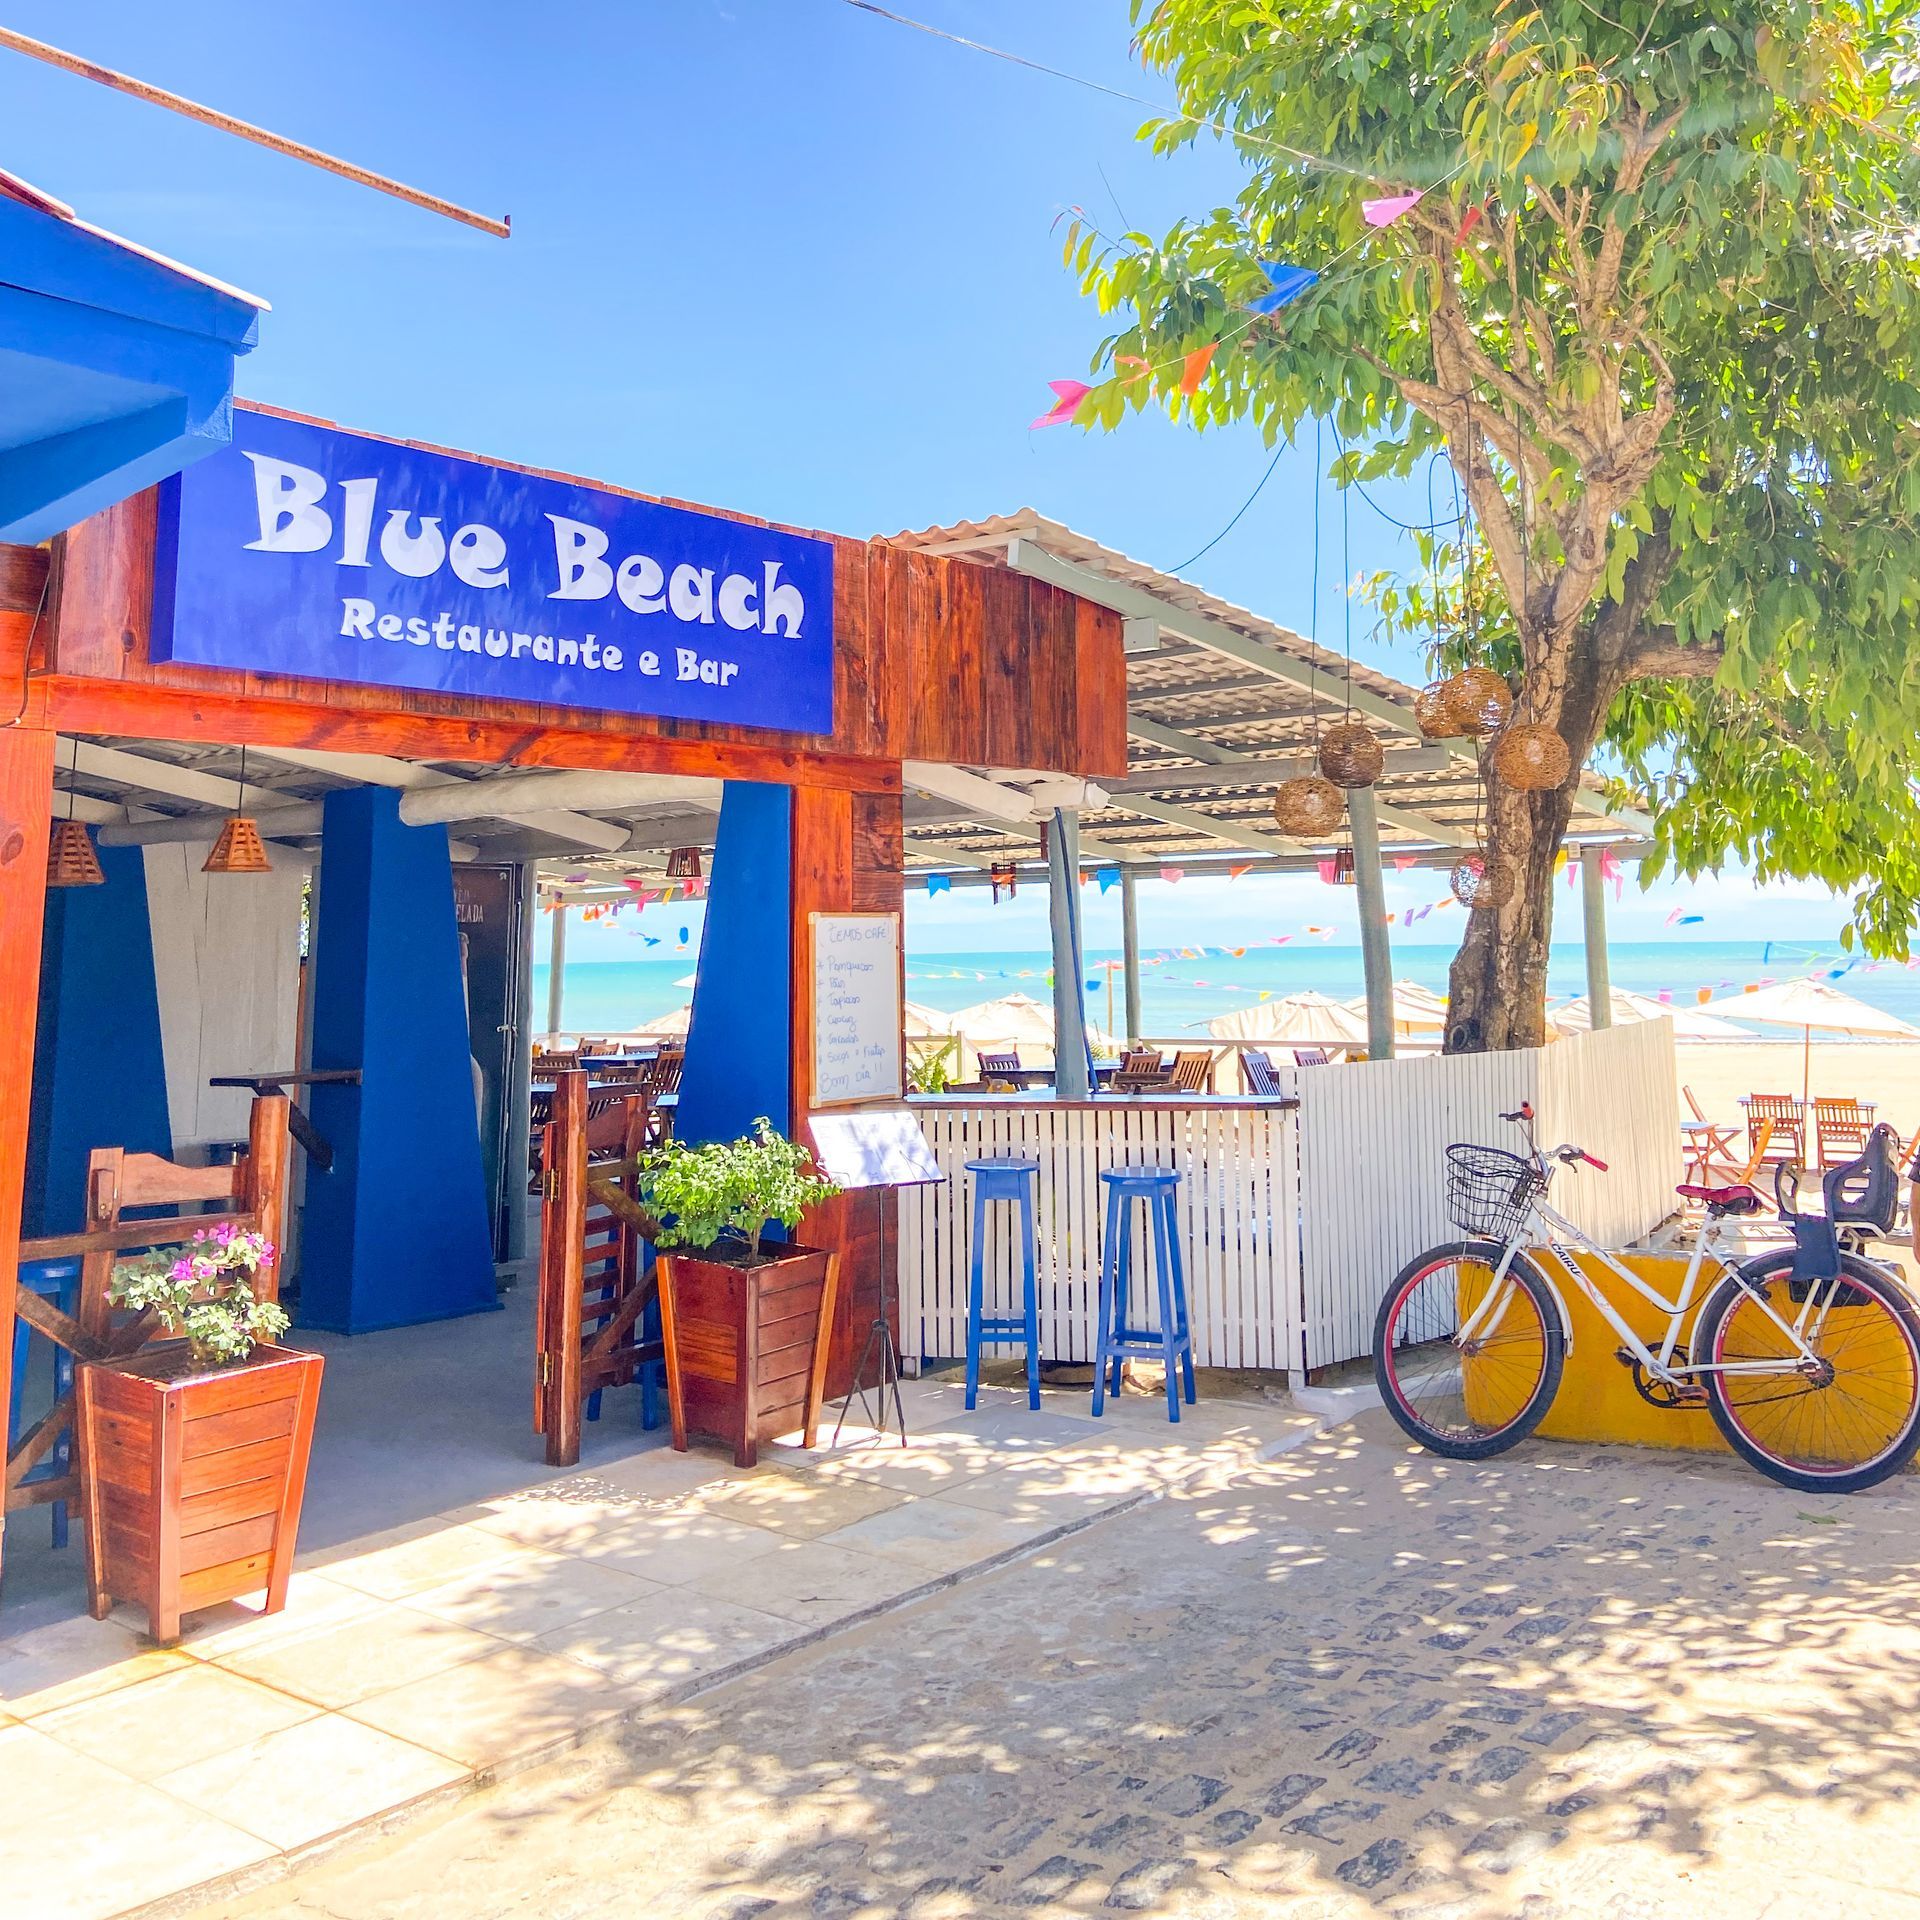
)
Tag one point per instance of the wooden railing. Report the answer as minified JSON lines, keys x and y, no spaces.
{"x":253,"y":1190}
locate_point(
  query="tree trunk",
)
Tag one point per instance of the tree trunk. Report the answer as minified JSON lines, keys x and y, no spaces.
{"x":1498,"y":984}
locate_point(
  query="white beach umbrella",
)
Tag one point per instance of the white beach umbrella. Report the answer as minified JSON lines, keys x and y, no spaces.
{"x":1416,"y":1009}
{"x":1689,"y":1023}
{"x":1306,"y":1019}
{"x":1807,"y":1004}
{"x":1014,"y":1020}
{"x":669,"y":1026}
{"x":924,"y":1023}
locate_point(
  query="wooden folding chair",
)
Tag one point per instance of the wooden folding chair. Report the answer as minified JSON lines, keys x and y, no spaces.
{"x":1785,"y":1120}
{"x":1733,"y":1173}
{"x":1840,"y":1129}
{"x":1310,"y":1056}
{"x":1142,"y":1070}
{"x":1702,"y":1140}
{"x":1259,"y":1072}
{"x":1192,"y":1071}
{"x":1004,"y":1062}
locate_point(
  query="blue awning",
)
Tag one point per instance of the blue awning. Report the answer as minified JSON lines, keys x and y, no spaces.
{"x":116,"y":365}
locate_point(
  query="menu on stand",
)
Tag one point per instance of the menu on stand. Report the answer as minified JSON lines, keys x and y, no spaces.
{"x":856,"y":1008}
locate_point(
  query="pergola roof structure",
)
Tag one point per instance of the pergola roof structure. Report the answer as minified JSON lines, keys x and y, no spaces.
{"x":1221,"y":707}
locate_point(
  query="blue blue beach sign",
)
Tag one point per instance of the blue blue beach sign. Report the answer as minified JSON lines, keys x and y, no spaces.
{"x":306,"y":550}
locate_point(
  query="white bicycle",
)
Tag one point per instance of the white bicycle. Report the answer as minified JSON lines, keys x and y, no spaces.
{"x":1807,"y":1354}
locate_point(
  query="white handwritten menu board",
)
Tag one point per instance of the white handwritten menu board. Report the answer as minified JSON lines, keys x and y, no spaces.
{"x":856,"y":1008}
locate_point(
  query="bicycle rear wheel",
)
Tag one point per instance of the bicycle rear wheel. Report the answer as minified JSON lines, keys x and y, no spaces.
{"x":1850,"y":1418}
{"x":1468,"y":1401}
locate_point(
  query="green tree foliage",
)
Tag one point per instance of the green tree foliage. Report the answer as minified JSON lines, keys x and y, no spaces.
{"x":1672,"y":361}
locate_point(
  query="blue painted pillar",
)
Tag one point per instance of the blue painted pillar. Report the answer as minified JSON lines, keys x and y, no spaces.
{"x":397,"y":1232}
{"x":740,"y":1044}
{"x":99,"y":1074}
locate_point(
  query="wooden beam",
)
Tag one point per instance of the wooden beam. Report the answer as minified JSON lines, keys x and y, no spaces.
{"x":154,"y":776}
{"x":1248,"y":770}
{"x":84,"y":704}
{"x":1193,"y":821}
{"x":26,"y":795}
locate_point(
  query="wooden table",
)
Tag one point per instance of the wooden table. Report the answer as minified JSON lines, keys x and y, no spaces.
{"x":319,"y":1147}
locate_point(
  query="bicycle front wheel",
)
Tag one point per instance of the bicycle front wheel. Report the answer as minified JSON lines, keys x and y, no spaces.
{"x":1844,"y":1417}
{"x":1468,"y":1395}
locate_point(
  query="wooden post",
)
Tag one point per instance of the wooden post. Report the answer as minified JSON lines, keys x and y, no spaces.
{"x":1593,"y":914}
{"x":1376,"y":954}
{"x":263,"y":1188}
{"x":26,"y":809}
{"x":563,"y":1239}
{"x":1130,"y":949}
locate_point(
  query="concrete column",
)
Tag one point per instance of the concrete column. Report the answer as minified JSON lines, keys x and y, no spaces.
{"x":518,"y":1091}
{"x":1130,"y":949}
{"x":1593,"y":914}
{"x":1376,"y":954}
{"x":1071,"y":1079}
{"x":557,"y":970}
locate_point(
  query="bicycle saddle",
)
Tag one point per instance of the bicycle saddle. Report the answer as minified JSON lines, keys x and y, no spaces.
{"x":1721,"y":1199}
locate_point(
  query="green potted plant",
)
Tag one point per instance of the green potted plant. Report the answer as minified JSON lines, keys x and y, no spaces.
{"x":193,"y":1450}
{"x":746,"y":1320}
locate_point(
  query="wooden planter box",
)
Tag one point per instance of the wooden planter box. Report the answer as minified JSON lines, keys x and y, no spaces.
{"x":192,"y":1477}
{"x":746,"y":1346}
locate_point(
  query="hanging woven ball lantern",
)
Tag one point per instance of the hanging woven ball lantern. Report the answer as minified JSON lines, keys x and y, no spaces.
{"x":1433,"y":713}
{"x":1308,"y":808}
{"x":1351,"y":754}
{"x":1479,"y":700}
{"x":1479,"y":882}
{"x":1532,"y":758}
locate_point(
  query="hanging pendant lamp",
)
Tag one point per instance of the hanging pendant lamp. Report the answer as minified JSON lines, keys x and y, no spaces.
{"x":239,"y":848}
{"x":71,"y":859}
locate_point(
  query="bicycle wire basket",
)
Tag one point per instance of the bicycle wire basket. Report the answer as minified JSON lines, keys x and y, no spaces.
{"x":1490,"y":1191}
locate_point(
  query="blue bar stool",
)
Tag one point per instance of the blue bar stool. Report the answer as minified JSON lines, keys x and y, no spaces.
{"x":1116,"y":1340}
{"x":1003,"y":1179}
{"x":58,"y":1281}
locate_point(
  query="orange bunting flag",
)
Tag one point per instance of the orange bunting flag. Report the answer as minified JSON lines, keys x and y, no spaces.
{"x":1238,"y":868}
{"x":1141,"y":368}
{"x":1194,"y":368}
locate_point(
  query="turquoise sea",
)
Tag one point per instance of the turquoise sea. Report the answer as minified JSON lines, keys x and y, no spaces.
{"x":1182,"y":991}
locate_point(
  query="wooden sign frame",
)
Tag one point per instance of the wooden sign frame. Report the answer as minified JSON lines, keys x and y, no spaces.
{"x":896,"y":1090}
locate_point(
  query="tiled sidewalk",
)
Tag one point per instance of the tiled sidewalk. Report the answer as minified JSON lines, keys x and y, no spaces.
{"x":419,"y":1663}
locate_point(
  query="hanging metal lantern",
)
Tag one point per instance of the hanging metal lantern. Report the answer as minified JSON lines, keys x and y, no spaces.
{"x":1480,"y":701}
{"x":683,"y":863}
{"x":1433,"y":713}
{"x":1532,"y":758}
{"x":1003,"y":873}
{"x":1351,"y":754}
{"x":239,"y":848}
{"x":1308,"y":808}
{"x":71,"y":860}
{"x":1479,"y":882}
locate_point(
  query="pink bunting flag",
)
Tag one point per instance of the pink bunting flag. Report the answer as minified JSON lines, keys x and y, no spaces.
{"x":1172,"y":875}
{"x":1675,"y":915}
{"x":1665,"y":996}
{"x":1402,"y":861}
{"x":1610,"y":869}
{"x":1066,"y":403}
{"x":1385,"y":211}
{"x":1326,"y":868}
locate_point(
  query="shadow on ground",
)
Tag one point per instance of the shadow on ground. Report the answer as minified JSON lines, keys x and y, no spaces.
{"x":1356,"y":1680}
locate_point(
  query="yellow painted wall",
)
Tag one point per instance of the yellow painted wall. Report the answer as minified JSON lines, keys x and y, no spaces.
{"x":1596,"y":1400}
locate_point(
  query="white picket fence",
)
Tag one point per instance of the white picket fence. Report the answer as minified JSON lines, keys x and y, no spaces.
{"x":1293,"y":1222}
{"x":1236,"y":1215}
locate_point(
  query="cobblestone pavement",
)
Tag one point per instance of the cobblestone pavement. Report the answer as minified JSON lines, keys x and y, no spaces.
{"x":1355,"y":1680}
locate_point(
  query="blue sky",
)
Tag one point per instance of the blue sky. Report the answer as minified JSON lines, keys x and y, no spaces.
{"x":776,"y":255}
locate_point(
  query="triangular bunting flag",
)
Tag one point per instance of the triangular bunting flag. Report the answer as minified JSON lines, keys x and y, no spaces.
{"x":1386,"y":210}
{"x":1193,"y":369}
{"x":1284,"y":285}
{"x":939,"y":883}
{"x":1109,"y":878}
{"x":1066,"y":403}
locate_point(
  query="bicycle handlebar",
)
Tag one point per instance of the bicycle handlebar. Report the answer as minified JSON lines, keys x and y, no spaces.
{"x":1566,"y":1153}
